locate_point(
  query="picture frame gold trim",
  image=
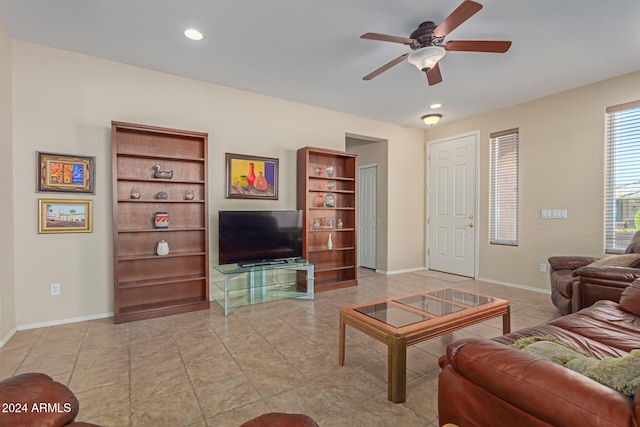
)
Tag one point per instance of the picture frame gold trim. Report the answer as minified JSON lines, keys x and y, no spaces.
{"x":239,"y":184}
{"x":65,"y":216}
{"x":65,"y":173}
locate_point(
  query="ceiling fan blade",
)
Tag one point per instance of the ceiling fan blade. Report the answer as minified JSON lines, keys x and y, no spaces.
{"x":385,"y":67}
{"x":465,"y":11}
{"x":387,"y":38}
{"x":433,"y":75}
{"x":490,"y":46}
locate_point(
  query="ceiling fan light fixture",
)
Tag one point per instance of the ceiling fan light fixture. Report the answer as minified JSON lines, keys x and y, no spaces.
{"x":427,"y":57}
{"x":193,"y":34}
{"x":431,"y":119}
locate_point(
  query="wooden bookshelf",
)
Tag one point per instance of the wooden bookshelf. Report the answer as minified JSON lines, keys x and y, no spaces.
{"x":147,"y":284}
{"x":335,"y":264}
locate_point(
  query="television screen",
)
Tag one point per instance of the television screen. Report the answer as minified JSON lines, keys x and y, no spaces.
{"x":255,"y":237}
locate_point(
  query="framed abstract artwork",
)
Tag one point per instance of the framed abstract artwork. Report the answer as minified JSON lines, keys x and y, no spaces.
{"x":64,"y":216}
{"x":62,"y":173}
{"x":251,"y":177}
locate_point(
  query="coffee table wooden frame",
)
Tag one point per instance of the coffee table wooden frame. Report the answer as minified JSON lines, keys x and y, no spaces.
{"x":397,"y":339}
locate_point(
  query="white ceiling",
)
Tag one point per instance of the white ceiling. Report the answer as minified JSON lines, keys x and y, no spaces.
{"x":309,"y":51}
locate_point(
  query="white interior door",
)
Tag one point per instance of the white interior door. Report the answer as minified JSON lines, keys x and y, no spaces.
{"x":452,"y":205}
{"x":367,"y":216}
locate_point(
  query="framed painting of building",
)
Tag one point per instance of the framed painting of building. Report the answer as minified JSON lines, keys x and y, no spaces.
{"x":64,"y":216}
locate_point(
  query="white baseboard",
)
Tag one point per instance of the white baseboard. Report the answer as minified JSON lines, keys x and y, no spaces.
{"x":514,"y":285}
{"x":4,"y":340}
{"x":406,"y":270}
{"x":63,"y":321}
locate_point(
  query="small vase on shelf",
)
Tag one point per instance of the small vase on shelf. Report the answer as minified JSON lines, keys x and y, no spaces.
{"x":329,"y":242}
{"x":329,"y":200}
{"x":135,"y":193}
{"x":162,"y":248}
{"x":161,"y":219}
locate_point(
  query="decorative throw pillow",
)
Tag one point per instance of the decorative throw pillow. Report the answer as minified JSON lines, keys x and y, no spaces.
{"x":620,"y":373}
{"x":626,"y":260}
{"x":634,"y":246}
{"x":630,"y":298}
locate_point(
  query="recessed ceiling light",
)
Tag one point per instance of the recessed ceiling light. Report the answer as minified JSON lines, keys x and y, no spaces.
{"x":434,"y":106}
{"x":193,"y":34}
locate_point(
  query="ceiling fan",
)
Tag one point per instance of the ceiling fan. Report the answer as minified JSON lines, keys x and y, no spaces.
{"x":427,"y":43}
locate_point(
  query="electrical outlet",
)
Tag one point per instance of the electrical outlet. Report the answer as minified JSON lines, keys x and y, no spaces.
{"x":543,"y":268}
{"x":55,"y":289}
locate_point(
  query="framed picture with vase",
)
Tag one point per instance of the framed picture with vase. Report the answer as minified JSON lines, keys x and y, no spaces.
{"x":251,"y":177}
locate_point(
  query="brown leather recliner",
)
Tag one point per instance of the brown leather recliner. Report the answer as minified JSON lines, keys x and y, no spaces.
{"x":575,"y":284}
{"x":34,"y":399}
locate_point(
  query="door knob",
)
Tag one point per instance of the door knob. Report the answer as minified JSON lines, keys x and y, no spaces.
{"x":470,"y":224}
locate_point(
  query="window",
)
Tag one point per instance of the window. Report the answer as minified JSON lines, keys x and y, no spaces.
{"x":503,"y":227}
{"x":622,"y":176}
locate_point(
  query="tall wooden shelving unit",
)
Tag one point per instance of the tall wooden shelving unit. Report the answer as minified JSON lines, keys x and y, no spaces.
{"x":336,"y":264}
{"x":147,"y":284}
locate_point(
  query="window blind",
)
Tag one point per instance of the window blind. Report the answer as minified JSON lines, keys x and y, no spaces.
{"x":503,"y":215}
{"x":622,"y":175}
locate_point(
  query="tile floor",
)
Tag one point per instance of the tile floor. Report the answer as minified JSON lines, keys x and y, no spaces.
{"x":205,"y":369}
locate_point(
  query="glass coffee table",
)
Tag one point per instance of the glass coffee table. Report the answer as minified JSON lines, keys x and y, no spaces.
{"x":410,"y":319}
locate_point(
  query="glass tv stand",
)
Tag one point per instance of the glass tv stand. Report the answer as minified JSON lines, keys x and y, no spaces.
{"x":242,"y":286}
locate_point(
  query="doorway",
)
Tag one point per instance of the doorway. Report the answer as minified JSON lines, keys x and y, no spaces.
{"x":367,"y":215}
{"x":451,"y":205}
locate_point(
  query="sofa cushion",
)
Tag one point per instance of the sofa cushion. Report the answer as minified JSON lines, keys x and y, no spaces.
{"x":630,"y":298}
{"x":626,"y":260}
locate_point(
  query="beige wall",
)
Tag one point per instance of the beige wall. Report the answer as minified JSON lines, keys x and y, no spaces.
{"x":64,"y":103}
{"x":561,"y":167}
{"x":7,"y":295}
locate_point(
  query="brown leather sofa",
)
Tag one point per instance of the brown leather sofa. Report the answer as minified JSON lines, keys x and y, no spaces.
{"x":34,"y":399}
{"x":490,"y":383}
{"x":575,"y":284}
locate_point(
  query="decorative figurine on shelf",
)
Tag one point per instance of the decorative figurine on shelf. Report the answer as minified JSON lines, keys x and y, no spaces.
{"x":188,"y":195}
{"x":135,"y":193}
{"x":329,"y":201}
{"x":163,"y":248}
{"x":162,"y":195}
{"x":330,"y":170}
{"x":162,"y":174}
{"x":161,"y":219}
{"x":339,"y":223}
{"x":316,"y":224}
{"x":329,"y":242}
{"x":331,"y":185}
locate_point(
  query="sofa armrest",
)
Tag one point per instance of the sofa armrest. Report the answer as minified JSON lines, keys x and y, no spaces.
{"x":549,"y":392}
{"x":29,"y":391}
{"x":570,"y":262}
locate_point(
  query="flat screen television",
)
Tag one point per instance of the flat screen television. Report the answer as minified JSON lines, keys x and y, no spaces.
{"x":259,"y":237}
